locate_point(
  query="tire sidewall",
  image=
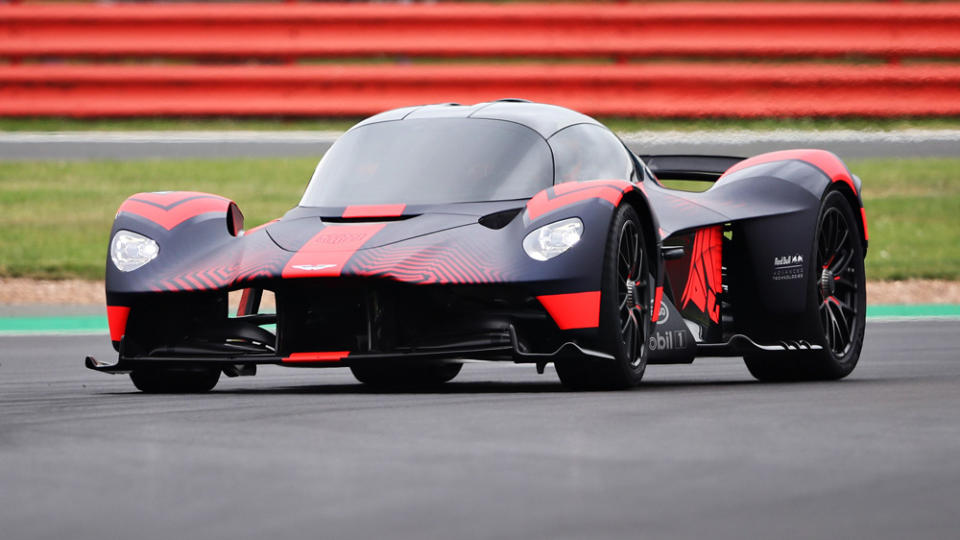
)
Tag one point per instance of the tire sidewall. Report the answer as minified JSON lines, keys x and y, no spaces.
{"x":839,"y":364}
{"x":609,"y":329}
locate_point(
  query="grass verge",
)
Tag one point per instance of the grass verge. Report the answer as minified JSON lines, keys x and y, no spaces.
{"x":55,"y":216}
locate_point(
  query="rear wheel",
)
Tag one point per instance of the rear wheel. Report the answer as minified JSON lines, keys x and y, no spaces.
{"x":174,"y":381}
{"x":839,"y":292}
{"x":405,"y":375}
{"x":626,"y":299}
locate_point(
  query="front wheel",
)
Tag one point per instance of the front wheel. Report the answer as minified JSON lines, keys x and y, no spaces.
{"x":405,"y":375}
{"x":626,"y":301}
{"x":174,"y":381}
{"x":840,"y":296}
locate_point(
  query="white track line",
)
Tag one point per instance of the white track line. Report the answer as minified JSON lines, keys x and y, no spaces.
{"x":174,"y":137}
{"x":905,"y":136}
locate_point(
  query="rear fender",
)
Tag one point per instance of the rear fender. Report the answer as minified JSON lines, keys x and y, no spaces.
{"x":834,"y":176}
{"x":772,"y":250}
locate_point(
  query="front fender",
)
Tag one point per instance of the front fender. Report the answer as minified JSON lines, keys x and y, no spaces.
{"x":185,"y":224}
{"x":595,"y":201}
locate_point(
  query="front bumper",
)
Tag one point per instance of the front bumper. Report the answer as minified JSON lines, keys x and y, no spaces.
{"x":510,"y":350}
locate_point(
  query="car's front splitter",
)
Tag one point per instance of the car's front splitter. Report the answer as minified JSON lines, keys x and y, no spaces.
{"x":508,"y":351}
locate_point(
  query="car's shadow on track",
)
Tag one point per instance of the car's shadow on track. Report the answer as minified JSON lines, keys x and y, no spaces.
{"x":498,"y":387}
{"x":546,"y":386}
{"x":516,"y":388}
{"x":489,"y":387}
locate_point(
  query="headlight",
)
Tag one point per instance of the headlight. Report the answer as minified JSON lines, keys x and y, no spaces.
{"x":130,"y":250}
{"x":551,"y":240}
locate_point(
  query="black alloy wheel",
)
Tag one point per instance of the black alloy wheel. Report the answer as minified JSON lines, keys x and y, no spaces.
{"x":631,"y":286}
{"x":837,"y":289}
{"x":626,"y":303}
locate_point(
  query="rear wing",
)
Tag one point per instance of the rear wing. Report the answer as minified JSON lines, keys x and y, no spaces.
{"x":689,"y":167}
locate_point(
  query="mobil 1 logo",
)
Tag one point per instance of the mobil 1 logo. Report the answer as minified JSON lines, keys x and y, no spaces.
{"x":665,"y":340}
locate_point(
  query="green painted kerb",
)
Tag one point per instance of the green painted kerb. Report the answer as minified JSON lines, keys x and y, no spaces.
{"x":89,"y":324}
{"x":78,"y":324}
{"x":913,"y":310}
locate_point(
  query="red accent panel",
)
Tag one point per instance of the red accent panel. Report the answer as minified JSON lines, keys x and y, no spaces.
{"x":657,"y":299}
{"x":821,"y":159}
{"x":321,"y":356}
{"x":117,"y":319}
{"x":374,"y":210}
{"x":573,"y":310}
{"x":328,"y":251}
{"x":704,"y":279}
{"x":171,"y":209}
{"x":863,"y":214}
{"x":243,"y":308}
{"x":568,"y":193}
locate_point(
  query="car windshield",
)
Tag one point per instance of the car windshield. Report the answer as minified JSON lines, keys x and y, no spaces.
{"x":431,"y":161}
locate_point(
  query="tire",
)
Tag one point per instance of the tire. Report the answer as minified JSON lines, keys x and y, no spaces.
{"x":625,"y":307}
{"x":174,"y":381}
{"x":404,"y":375}
{"x":839,"y":292}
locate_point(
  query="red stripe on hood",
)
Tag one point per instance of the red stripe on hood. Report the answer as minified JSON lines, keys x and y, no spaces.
{"x":328,"y":251}
{"x":374,"y":210}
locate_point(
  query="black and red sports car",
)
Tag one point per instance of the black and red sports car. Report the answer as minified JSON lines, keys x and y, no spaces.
{"x":509,"y":231}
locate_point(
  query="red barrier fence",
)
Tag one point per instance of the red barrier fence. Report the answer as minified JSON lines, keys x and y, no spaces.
{"x":636,"y":31}
{"x":444,"y":30}
{"x":620,"y":90}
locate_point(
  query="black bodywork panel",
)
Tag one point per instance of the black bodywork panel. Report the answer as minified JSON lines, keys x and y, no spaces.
{"x":451,"y":280}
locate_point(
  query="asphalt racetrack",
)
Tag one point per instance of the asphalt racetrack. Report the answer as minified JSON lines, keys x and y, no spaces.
{"x":698,"y":451}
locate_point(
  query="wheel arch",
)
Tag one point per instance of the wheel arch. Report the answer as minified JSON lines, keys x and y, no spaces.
{"x":835,"y":176}
{"x":856,"y":206}
{"x":651,"y":231}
